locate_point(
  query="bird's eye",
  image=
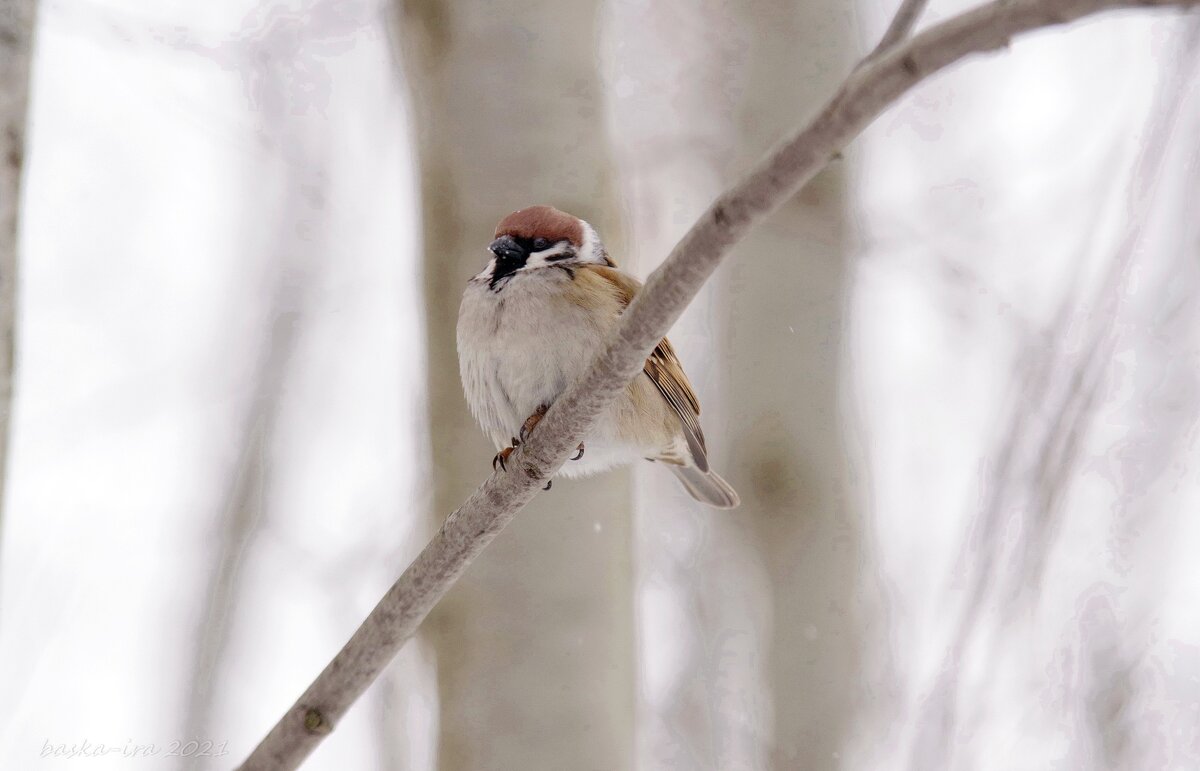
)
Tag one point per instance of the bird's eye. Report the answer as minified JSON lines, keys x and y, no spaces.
{"x":539,"y":244}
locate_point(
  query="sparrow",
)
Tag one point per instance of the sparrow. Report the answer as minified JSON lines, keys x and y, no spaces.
{"x":532,"y":322}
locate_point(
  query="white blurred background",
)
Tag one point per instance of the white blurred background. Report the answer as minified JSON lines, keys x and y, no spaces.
{"x":956,"y":381}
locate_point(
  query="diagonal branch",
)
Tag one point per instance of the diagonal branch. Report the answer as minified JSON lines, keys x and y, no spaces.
{"x":867,"y":91}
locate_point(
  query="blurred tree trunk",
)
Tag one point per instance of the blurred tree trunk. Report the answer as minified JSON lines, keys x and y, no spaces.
{"x":747,"y":648}
{"x":785,"y":310}
{"x":674,"y":71}
{"x":17,"y":19}
{"x":535,"y":643}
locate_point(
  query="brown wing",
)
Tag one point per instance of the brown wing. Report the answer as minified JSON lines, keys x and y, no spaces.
{"x":665,"y":371}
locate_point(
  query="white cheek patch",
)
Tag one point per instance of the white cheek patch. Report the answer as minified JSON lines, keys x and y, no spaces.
{"x":547,"y":257}
{"x":591,"y":250}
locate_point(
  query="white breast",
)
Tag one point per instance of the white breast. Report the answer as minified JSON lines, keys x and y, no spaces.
{"x":519,"y":348}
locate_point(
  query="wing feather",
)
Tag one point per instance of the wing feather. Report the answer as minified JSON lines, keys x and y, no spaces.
{"x":666,"y":372}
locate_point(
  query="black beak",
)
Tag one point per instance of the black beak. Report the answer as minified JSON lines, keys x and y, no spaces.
{"x":507,"y":250}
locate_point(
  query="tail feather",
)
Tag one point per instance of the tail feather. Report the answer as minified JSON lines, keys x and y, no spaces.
{"x":707,"y":487}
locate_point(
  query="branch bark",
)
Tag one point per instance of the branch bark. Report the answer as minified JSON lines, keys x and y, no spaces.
{"x":17,"y":18}
{"x":867,"y":91}
{"x":906,"y":18}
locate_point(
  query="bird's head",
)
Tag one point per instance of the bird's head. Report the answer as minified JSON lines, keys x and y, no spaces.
{"x":541,"y":237}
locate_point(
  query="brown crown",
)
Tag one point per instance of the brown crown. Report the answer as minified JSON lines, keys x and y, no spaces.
{"x":542,"y":222}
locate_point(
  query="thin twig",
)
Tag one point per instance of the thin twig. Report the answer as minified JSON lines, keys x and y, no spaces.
{"x":901,"y":27}
{"x":17,"y":20}
{"x":864,"y":95}
{"x":242,"y":509}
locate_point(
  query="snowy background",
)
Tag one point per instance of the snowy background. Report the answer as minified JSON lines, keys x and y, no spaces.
{"x":956,"y":381}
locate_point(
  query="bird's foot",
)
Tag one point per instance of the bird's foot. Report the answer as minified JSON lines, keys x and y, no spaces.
{"x":502,"y":456}
{"x":532,"y":421}
{"x":579,"y":454}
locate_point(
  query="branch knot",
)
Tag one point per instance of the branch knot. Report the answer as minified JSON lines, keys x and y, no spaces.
{"x":316,"y":723}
